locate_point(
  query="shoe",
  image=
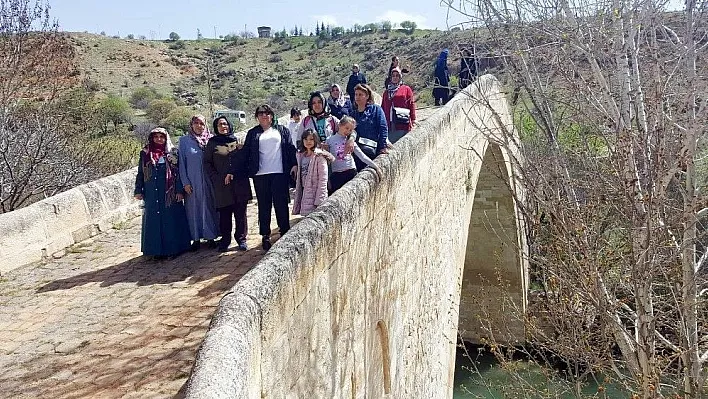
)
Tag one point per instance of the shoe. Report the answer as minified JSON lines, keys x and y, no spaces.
{"x":195,"y":246}
{"x":222,"y":248}
{"x":242,"y":246}
{"x":211,"y":244}
{"x":266,"y":243}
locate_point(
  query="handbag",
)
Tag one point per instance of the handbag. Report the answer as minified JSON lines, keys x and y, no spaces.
{"x":401,"y":116}
{"x":368,"y":146}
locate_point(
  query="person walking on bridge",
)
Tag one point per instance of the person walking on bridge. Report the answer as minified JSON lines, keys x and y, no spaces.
{"x":165,"y":230}
{"x":199,"y":195}
{"x":441,"y":84}
{"x":356,"y":78}
{"x":398,"y":104}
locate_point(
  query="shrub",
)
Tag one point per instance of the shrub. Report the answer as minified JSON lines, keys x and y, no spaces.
{"x":275,"y":58}
{"x":178,"y":45}
{"x":158,"y":110}
{"x":142,"y":96}
{"x":177,"y":120}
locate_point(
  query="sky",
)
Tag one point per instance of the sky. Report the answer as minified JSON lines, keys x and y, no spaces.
{"x":155,"y":19}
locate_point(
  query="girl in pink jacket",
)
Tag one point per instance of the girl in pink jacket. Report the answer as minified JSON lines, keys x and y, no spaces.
{"x":311,"y":175}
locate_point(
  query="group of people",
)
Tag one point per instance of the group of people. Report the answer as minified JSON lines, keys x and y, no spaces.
{"x":195,"y":195}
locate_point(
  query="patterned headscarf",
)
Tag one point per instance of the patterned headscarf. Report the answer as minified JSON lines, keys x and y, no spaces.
{"x":203,"y":137}
{"x":153,"y":153}
{"x":339,"y":101}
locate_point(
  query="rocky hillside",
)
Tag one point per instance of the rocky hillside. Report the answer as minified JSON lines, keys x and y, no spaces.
{"x":245,"y":73}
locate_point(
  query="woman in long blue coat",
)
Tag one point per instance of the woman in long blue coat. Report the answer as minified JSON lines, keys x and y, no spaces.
{"x":199,"y":194}
{"x":165,"y":229}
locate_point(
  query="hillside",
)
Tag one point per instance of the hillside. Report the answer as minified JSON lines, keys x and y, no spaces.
{"x":245,"y":73}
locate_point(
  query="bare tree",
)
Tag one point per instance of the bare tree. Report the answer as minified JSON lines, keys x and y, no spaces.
{"x":612,"y":111}
{"x":42,"y":151}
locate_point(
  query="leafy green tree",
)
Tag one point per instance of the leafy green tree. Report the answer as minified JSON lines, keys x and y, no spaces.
{"x":409,"y":26}
{"x":174,"y":36}
{"x":142,"y":96}
{"x":386,"y":26}
{"x":337,"y":31}
{"x":370,"y":27}
{"x":130,"y":36}
{"x":158,"y":109}
{"x":177,"y":120}
{"x":113,"y":110}
{"x":317,"y":29}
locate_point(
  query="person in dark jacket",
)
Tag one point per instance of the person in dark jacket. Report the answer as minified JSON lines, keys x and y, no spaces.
{"x":356,"y":78}
{"x":165,"y":230}
{"x":468,"y":68}
{"x":441,"y":86}
{"x":338,"y":104}
{"x":269,"y":157}
{"x":371,"y":125}
{"x":231,"y":196}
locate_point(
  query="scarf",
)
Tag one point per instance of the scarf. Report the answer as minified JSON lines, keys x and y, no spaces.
{"x":337,"y":102}
{"x":202,"y":138}
{"x":153,"y":152}
{"x":391,"y":89}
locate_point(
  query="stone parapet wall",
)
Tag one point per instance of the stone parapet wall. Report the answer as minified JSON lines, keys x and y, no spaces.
{"x":47,"y":227}
{"x":361,"y":299}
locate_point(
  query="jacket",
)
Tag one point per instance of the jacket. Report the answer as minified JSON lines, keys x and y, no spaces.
{"x":353,"y":81}
{"x":220,"y":155}
{"x":311,"y":191}
{"x":371,"y":124}
{"x":251,"y":151}
{"x":402,"y":98}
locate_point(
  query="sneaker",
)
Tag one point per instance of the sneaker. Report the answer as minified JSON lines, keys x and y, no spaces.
{"x":242,"y":246}
{"x":266,"y":243}
{"x":222,"y":248}
{"x":195,"y":246}
{"x":211,"y":244}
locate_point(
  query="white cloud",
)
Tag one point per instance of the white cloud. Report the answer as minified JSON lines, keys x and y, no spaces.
{"x":327,"y":19}
{"x":396,"y":17}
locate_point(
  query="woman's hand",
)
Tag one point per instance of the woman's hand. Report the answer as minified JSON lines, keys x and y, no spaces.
{"x":324,"y":146}
{"x":188,"y":189}
{"x":293,"y":172}
{"x":138,"y":197}
{"x":379,"y":172}
{"x":383,"y":151}
{"x":179,"y":197}
{"x":228,"y":179}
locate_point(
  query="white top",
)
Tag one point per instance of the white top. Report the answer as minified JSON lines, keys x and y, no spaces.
{"x":270,"y":158}
{"x":294,"y":128}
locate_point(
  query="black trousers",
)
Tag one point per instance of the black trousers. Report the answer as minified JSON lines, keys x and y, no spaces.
{"x":235,"y":212}
{"x":272,"y":192}
{"x":338,"y":179}
{"x":441,"y":95}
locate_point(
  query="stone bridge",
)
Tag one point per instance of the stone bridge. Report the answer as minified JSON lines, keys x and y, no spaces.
{"x":363,"y":298}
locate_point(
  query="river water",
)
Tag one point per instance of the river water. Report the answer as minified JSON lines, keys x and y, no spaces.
{"x":479,"y":375}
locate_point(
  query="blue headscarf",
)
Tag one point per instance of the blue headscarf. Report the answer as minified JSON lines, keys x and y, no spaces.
{"x":442,"y":60}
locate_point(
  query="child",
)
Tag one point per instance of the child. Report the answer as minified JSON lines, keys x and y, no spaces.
{"x":311,"y":175}
{"x":294,"y":125}
{"x":343,"y":167}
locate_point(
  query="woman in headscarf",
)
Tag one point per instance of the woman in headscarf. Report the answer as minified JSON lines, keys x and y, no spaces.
{"x":441,"y":89}
{"x":319,"y":118}
{"x":398,"y":104}
{"x":199,"y":198}
{"x":231,"y":195}
{"x":165,"y":228}
{"x":338,"y":104}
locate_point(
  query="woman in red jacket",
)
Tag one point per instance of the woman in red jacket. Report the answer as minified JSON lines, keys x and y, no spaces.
{"x":399,"y":107}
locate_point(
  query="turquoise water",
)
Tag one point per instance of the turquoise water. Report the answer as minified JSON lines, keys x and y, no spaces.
{"x":479,"y":375}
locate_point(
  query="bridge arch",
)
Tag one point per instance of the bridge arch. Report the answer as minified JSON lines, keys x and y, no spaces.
{"x":394,"y":263}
